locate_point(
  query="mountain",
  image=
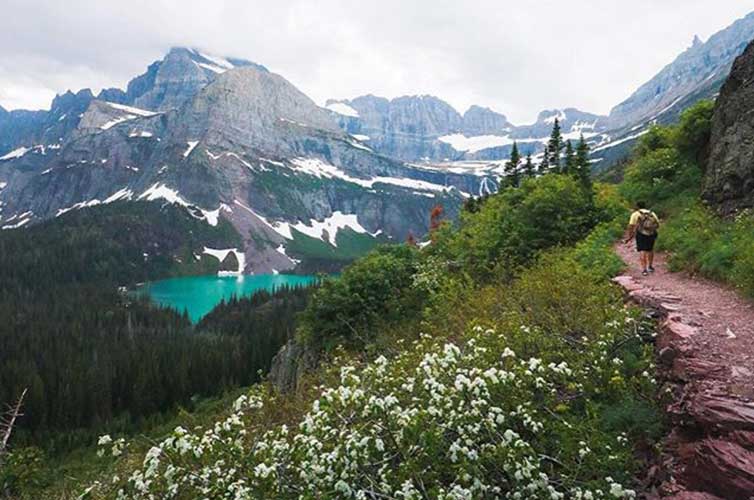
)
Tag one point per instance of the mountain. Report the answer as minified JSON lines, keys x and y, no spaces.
{"x":426,"y":128}
{"x":697,"y":73}
{"x":226,"y":139}
{"x":701,"y":69}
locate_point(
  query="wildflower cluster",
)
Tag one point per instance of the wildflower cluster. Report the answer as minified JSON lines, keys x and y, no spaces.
{"x":474,"y":418}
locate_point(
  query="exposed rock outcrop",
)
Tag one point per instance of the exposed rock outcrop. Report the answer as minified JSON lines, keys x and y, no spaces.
{"x":426,"y":128}
{"x":729,"y":179}
{"x":290,"y":364}
{"x":710,"y":453}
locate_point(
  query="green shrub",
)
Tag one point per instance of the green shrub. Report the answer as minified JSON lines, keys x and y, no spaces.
{"x":668,"y":162}
{"x":700,"y":241}
{"x":691,"y":136}
{"x":560,"y":297}
{"x":510,"y":228}
{"x":595,"y":253}
{"x":658,"y":176}
{"x":374,"y":291}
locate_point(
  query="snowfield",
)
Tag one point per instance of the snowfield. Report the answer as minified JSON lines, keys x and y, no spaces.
{"x":342,"y":109}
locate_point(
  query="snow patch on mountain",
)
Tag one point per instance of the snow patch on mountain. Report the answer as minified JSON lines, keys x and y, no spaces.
{"x":130,"y":113}
{"x":191,"y":146}
{"x":560,"y":115}
{"x":142,"y":133}
{"x":460,"y":142}
{"x":318,"y":168}
{"x":342,"y":108}
{"x":123,"y":194}
{"x":213,"y":216}
{"x":160,"y":191}
{"x":221,"y":254}
{"x":16,"y":153}
{"x":620,"y":141}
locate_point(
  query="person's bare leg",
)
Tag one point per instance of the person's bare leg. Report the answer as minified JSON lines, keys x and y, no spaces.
{"x":643,"y":260}
{"x":651,"y":257}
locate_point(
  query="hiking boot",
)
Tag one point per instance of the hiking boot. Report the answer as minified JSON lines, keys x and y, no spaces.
{"x":651,"y":269}
{"x":645,"y":273}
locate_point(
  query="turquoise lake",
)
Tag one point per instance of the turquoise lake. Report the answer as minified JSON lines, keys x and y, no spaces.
{"x":199,"y":294}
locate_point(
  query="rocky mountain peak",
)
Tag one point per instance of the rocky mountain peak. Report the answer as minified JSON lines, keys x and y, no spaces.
{"x":478,"y":120}
{"x":700,"y":70}
{"x":70,"y":101}
{"x":257,"y":107}
{"x":170,"y":82}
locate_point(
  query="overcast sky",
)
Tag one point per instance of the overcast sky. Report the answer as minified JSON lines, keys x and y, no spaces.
{"x":515,"y":57}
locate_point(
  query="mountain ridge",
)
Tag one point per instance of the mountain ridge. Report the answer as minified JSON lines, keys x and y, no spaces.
{"x":240,"y":143}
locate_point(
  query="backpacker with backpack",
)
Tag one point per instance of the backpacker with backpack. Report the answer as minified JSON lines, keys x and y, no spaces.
{"x":648,"y":222}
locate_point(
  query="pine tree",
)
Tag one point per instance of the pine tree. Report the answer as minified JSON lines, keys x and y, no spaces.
{"x":544,"y":166}
{"x":555,"y":146}
{"x":569,"y":162}
{"x":512,"y":176}
{"x":528,"y":167}
{"x":583,"y":167}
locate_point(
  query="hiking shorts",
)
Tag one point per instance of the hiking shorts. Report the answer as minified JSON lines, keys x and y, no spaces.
{"x":645,"y":242}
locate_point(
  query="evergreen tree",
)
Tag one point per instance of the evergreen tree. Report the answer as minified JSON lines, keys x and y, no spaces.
{"x":529,"y":167}
{"x":583,"y":167}
{"x":555,"y":146}
{"x":544,"y":166}
{"x":569,"y":162}
{"x":512,"y":175}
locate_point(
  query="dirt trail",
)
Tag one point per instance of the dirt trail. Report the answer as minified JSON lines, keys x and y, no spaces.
{"x":706,"y":360}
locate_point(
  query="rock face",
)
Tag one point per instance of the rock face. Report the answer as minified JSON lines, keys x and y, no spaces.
{"x":290,"y":364}
{"x":710,"y":452}
{"x":482,"y":121}
{"x":226,"y":139}
{"x":426,"y":128}
{"x":729,"y":177}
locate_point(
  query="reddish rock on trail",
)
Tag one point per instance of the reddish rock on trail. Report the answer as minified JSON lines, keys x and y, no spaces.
{"x":705,"y":353}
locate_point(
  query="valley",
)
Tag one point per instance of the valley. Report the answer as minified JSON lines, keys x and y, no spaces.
{"x":214,"y":286}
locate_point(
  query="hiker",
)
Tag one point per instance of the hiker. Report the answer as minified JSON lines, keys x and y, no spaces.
{"x":643,"y":226}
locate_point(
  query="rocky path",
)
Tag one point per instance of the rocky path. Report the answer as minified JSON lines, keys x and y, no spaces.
{"x":705,"y":356}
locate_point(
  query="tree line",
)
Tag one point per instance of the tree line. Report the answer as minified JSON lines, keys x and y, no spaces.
{"x":559,"y":157}
{"x":96,"y":358}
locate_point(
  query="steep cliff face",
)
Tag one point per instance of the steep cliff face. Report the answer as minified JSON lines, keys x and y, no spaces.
{"x":169,"y":83}
{"x":482,"y":121}
{"x":729,"y":178}
{"x":426,"y":128}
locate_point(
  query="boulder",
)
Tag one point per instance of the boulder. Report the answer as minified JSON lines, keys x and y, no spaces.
{"x":290,"y":364}
{"x":723,"y":468}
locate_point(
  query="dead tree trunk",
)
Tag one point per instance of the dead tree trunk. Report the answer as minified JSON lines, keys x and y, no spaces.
{"x":8,"y":420}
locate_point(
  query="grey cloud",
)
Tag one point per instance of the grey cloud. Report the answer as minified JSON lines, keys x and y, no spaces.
{"x":516,"y":57}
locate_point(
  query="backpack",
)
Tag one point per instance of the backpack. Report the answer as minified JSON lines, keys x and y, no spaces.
{"x":648,"y":223}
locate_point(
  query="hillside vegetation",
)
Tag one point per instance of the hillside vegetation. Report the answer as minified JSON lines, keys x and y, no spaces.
{"x":98,"y":359}
{"x":496,"y":361}
{"x":666,"y":171}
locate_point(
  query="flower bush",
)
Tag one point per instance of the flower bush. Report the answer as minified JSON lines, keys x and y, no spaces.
{"x":474,"y":418}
